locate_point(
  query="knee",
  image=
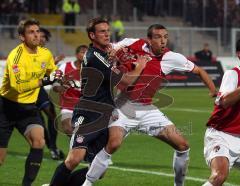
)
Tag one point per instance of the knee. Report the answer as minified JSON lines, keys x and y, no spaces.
{"x":183,"y":146}
{"x":38,"y":143}
{"x":113,"y":145}
{"x":218,"y":178}
{"x":72,"y":163}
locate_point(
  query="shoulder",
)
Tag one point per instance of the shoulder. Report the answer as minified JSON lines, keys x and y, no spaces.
{"x":125,"y":42}
{"x":15,"y":54}
{"x":231,"y":73}
{"x":170,"y":55}
{"x":44,"y":51}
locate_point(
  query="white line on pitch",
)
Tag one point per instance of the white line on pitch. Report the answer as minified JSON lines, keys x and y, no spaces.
{"x":186,"y":110}
{"x":138,"y":171}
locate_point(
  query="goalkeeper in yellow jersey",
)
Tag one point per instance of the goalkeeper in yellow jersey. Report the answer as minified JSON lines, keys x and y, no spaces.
{"x":23,"y":76}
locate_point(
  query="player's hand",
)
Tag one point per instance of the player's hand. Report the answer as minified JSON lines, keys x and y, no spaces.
{"x":142,"y":60}
{"x":213,"y":93}
{"x":57,"y":75}
{"x":59,"y":58}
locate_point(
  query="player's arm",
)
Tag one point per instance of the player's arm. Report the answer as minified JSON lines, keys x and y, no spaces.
{"x":177,"y":62}
{"x":230,"y":99}
{"x":130,"y":77}
{"x":229,"y":93}
{"x":206,"y":79}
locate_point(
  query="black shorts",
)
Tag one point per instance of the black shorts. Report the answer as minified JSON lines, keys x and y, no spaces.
{"x":93,"y":142}
{"x":43,"y":99}
{"x":13,"y":114}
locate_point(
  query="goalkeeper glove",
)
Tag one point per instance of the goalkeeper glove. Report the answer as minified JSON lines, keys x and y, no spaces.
{"x":57,"y":75}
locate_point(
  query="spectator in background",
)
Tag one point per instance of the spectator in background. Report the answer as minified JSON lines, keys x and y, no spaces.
{"x":117,"y":28}
{"x":205,"y":54}
{"x":70,"y":9}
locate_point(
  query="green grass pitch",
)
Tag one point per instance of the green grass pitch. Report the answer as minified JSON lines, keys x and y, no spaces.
{"x":142,"y":160}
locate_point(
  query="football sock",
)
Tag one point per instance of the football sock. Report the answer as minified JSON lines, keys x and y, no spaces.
{"x":61,"y":175}
{"x":32,"y":166}
{"x":98,"y":166}
{"x":207,"y":184}
{"x":180,"y":165}
{"x":77,"y":177}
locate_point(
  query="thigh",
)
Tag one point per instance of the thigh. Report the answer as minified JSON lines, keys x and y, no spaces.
{"x":173,"y":137}
{"x":119,"y":119}
{"x":6,"y":125}
{"x":153,"y":121}
{"x":95,"y":146}
{"x":216,"y":144}
{"x":29,"y":118}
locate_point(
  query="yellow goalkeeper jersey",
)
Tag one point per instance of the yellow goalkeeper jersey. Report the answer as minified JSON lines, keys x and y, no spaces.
{"x":23,"y":72}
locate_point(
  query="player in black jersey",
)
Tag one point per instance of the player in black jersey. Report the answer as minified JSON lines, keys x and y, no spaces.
{"x":92,"y":113}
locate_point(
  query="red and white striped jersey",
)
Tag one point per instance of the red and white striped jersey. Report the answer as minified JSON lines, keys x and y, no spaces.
{"x":71,"y":96}
{"x":227,"y":119}
{"x":153,"y":74}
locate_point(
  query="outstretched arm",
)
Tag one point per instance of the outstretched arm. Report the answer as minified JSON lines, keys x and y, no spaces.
{"x":206,"y":79}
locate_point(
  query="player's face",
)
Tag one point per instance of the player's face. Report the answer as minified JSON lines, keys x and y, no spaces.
{"x":80,"y":54}
{"x":42,"y":39}
{"x":159,"y":40}
{"x":31,"y":37}
{"x":101,"y":36}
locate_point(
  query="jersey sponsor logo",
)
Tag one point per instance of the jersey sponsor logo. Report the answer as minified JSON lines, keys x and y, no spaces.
{"x":15,"y":68}
{"x":79,"y":138}
{"x":101,"y":58}
{"x":43,"y":65}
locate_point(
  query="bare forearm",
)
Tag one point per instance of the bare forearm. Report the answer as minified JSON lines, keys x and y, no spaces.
{"x":207,"y":80}
{"x":230,"y":99}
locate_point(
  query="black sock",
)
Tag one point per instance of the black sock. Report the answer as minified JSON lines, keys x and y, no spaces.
{"x":61,"y":175}
{"x":32,"y":166}
{"x":77,"y":177}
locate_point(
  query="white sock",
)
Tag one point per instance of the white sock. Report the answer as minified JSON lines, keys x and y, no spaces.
{"x":98,"y":166}
{"x":207,"y":184}
{"x":180,"y":165}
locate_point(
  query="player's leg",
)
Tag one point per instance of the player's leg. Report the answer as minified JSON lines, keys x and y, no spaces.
{"x":219,"y":171}
{"x":63,"y":171}
{"x":100,"y":163}
{"x":34,"y":134}
{"x":174,"y":138}
{"x":156,"y":124}
{"x":66,"y":117}
{"x":217,"y":152}
{"x":6,"y":127}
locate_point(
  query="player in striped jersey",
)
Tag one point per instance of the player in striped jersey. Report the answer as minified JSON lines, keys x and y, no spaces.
{"x":23,"y":76}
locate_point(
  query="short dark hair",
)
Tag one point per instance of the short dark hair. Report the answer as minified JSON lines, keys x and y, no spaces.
{"x":47,"y":33}
{"x":24,"y":24}
{"x":152,"y":27}
{"x":93,"y":22}
{"x":238,"y":45}
{"x":81,"y":47}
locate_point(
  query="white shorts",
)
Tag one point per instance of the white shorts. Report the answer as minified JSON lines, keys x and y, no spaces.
{"x":218,"y":143}
{"x":66,"y":113}
{"x":146,"y":119}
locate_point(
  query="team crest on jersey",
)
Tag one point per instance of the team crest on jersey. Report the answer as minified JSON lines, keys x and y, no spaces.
{"x":15,"y":68}
{"x":43,"y":65}
{"x":79,"y":138}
